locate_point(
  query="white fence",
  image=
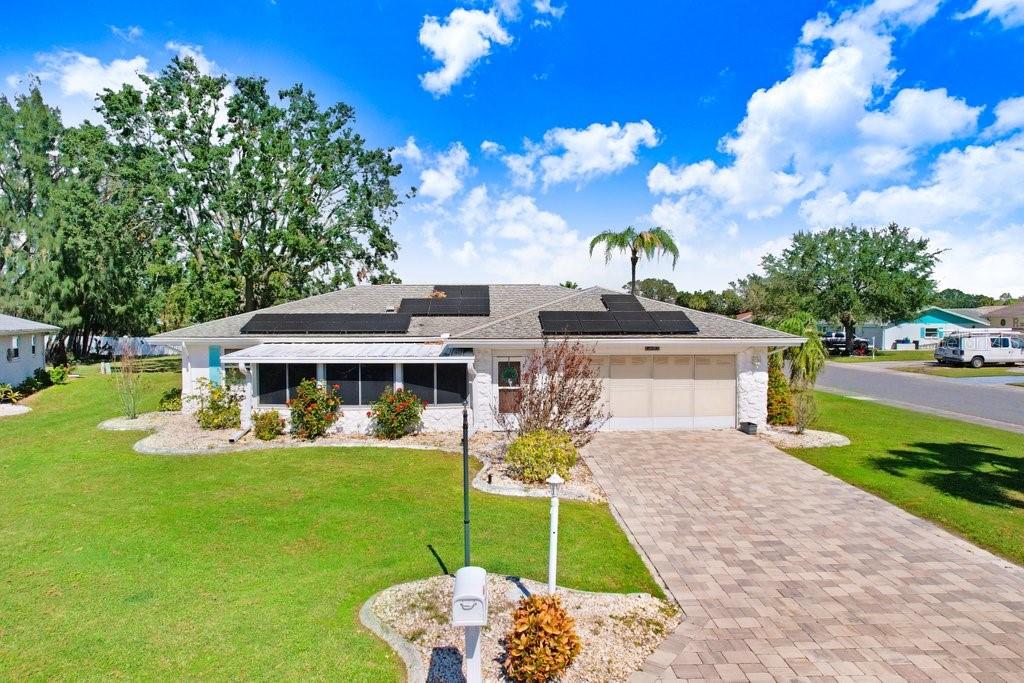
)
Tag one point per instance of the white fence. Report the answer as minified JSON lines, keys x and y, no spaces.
{"x":115,"y":346}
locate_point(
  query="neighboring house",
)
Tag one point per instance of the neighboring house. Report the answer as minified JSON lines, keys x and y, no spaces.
{"x":1011,"y":316}
{"x":664,"y":367}
{"x":927,"y":328}
{"x":745,"y":316}
{"x":22,"y":348}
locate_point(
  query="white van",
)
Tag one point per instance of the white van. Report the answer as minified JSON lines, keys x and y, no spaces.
{"x":980,"y":346}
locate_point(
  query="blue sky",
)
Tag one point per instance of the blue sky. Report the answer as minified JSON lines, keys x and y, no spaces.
{"x":529,"y":126}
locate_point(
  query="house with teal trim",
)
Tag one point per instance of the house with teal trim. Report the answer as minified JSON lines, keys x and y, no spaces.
{"x":929,"y":327}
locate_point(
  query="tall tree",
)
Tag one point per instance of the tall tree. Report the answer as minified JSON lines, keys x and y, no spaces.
{"x":955,"y":298}
{"x":726,"y":302}
{"x":651,"y":242}
{"x":266,"y":199}
{"x":847,"y":275}
{"x":655,"y":288}
{"x":30,"y":132}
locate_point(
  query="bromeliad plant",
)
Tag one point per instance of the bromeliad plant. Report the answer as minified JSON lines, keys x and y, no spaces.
{"x":396,"y":413}
{"x":9,"y":394}
{"x":314,"y":409}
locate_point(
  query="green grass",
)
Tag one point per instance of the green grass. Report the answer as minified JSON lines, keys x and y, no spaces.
{"x":879,"y":356}
{"x":240,"y":566}
{"x":965,"y":477}
{"x":957,"y":371}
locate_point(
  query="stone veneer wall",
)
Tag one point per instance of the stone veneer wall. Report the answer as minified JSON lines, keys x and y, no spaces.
{"x":752,"y":386}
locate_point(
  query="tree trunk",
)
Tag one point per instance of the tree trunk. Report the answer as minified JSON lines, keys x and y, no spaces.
{"x":632,"y":282}
{"x":848,"y":326}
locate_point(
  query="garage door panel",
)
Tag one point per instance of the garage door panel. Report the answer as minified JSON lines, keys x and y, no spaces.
{"x":630,"y":386}
{"x":715,"y":380}
{"x":670,"y":392}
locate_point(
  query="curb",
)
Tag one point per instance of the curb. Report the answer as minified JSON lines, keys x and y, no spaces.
{"x":403,"y":648}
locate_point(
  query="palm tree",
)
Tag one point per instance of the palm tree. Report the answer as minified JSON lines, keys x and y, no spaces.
{"x":806,"y":361}
{"x":646,"y":242}
{"x":569,"y":284}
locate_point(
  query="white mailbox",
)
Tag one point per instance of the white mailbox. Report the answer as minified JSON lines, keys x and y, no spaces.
{"x":469,"y":603}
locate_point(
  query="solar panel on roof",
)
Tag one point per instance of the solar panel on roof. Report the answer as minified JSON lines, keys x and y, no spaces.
{"x":615,"y":323}
{"x":459,"y":300}
{"x":621,"y":302}
{"x":414,"y":306}
{"x":326,"y":323}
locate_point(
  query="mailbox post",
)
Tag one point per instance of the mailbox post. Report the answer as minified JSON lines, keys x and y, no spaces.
{"x":469,"y":610}
{"x":555,"y":483}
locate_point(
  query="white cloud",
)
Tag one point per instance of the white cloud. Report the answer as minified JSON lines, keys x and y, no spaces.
{"x":459,"y":43}
{"x":979,"y":184}
{"x":1009,"y":12}
{"x":410,"y":150}
{"x":1009,"y":117}
{"x":430,"y":240}
{"x":79,"y":74}
{"x":574,"y":154}
{"x":793,"y":132}
{"x":545,"y":7}
{"x":195,"y":52}
{"x":443,"y":180}
{"x":466,"y":254}
{"x":920,"y":117}
{"x":128,"y":33}
{"x":490,"y":147}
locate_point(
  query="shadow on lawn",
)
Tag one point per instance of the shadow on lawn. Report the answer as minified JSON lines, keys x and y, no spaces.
{"x":975,"y":472}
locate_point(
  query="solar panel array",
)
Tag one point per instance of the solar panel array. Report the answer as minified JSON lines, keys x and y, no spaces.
{"x":621,"y":302}
{"x":459,"y":300}
{"x":615,"y":322}
{"x":327,"y":323}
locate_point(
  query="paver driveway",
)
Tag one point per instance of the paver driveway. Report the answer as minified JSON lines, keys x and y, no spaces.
{"x":786,"y":572}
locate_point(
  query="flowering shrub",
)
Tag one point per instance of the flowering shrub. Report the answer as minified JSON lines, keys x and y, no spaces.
{"x":396,"y":413}
{"x":170,"y":402}
{"x":542,"y":642}
{"x":314,"y":409}
{"x":219,"y":407}
{"x":267,"y":425}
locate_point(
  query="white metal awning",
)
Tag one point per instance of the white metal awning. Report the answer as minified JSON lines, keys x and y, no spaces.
{"x":387,"y":352}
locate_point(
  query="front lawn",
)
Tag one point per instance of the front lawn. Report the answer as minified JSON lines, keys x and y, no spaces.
{"x":968,"y":478}
{"x":957,"y":371}
{"x":919,"y":354}
{"x":240,"y":566}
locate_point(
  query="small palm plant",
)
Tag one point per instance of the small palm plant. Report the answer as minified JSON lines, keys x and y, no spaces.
{"x":650,"y":242}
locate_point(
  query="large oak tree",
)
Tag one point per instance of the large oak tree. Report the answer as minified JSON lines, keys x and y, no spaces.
{"x":851,"y":274}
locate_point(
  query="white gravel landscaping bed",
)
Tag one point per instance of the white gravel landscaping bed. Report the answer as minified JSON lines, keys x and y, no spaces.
{"x":580,"y":485}
{"x":10,"y":410}
{"x":617,"y":631}
{"x":787,"y":437}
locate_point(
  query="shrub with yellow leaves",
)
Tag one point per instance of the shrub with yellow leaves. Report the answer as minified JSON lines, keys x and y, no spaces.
{"x":542,"y":642}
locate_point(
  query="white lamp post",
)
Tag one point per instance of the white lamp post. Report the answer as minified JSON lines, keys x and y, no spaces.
{"x":555,"y":482}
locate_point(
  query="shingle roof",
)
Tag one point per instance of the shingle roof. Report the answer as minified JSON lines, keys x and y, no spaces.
{"x":10,"y":324}
{"x":513,"y":315}
{"x":1006,"y":311}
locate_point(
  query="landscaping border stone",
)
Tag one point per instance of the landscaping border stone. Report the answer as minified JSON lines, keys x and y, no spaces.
{"x":8,"y":410}
{"x":405,"y":650}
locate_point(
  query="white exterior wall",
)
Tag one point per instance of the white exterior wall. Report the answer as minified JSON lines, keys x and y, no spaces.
{"x":752,"y":386}
{"x":195,"y":360}
{"x":16,"y":371}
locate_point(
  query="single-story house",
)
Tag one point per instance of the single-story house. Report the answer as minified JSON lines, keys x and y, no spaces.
{"x":927,"y":328}
{"x":1011,"y":316}
{"x":22,"y":348}
{"x":663,"y":366}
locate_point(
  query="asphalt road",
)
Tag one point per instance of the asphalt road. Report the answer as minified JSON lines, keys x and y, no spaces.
{"x":996,"y":406}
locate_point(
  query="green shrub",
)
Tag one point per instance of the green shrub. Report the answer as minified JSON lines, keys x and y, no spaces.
{"x":219,"y":407}
{"x":313,"y":409}
{"x":534,"y":456}
{"x":396,"y":413}
{"x":542,"y":642}
{"x":170,"y":402}
{"x":267,"y":425}
{"x":780,"y":398}
{"x":59,"y":374}
{"x":9,"y":394}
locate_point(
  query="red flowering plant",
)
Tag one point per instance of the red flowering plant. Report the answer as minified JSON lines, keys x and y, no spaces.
{"x":314,"y":409}
{"x":396,"y":413}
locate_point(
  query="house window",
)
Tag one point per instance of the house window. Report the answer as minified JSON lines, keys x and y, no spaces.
{"x":931,"y":332}
{"x":278,"y":382}
{"x":508,"y":385}
{"x":440,"y":384}
{"x":360,"y":384}
{"x":1002,"y":322}
{"x":33,"y":344}
{"x":14,"y":348}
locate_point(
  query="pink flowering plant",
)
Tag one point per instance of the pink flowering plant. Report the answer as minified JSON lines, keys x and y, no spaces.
{"x":314,"y":409}
{"x":396,"y":413}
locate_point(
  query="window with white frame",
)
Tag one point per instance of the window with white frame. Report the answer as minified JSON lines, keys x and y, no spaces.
{"x":436,"y":383}
{"x":276,"y":382}
{"x":33,"y":344}
{"x":14,"y":353}
{"x":931,"y":332}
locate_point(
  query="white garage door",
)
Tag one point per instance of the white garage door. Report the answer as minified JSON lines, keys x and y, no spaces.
{"x":670,"y":392}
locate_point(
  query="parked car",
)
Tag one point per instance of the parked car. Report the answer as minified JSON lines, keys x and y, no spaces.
{"x":981,"y":346}
{"x":835,"y":343}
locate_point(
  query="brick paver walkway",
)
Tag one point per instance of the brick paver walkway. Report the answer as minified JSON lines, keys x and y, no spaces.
{"x":785,"y":572}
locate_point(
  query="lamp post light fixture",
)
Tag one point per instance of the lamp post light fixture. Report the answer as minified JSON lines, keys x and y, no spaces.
{"x":555,"y":483}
